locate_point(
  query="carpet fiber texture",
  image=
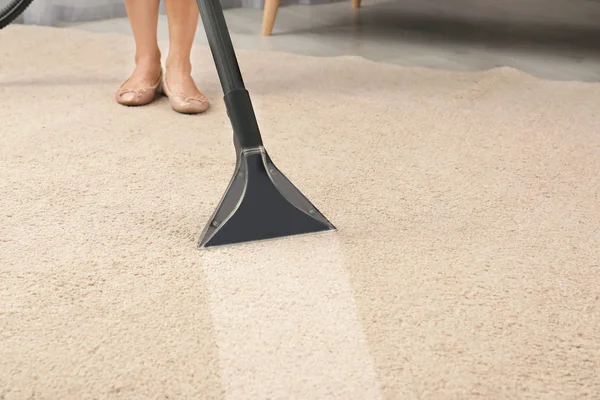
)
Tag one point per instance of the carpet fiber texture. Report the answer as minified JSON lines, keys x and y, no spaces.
{"x":466,"y":263}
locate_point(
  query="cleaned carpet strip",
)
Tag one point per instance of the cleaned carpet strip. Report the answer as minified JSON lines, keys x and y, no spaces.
{"x":288,"y":327}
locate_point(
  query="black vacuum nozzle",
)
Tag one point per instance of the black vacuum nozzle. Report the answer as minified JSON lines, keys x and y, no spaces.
{"x":261,"y":203}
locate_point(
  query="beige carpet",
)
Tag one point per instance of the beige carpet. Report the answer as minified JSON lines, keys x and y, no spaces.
{"x":466,"y":265}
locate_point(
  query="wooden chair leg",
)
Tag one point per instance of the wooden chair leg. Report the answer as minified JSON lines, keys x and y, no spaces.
{"x":355,"y":3}
{"x":269,"y":14}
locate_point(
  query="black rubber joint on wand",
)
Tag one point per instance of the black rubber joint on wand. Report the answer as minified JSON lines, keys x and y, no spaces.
{"x":243,"y":119}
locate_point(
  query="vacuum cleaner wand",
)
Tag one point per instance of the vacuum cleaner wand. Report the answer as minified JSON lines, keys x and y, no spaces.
{"x":260,"y":202}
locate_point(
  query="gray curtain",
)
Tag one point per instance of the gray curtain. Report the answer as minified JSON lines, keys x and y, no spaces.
{"x":53,"y":12}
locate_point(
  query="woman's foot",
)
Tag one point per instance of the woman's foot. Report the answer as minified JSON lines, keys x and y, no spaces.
{"x":182,"y":91}
{"x":142,"y":86}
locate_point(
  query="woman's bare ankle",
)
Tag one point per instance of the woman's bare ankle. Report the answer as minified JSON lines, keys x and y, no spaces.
{"x":146,"y":73}
{"x":147,"y":68}
{"x":178,"y":74}
{"x":179,"y":64}
{"x":147,"y":56}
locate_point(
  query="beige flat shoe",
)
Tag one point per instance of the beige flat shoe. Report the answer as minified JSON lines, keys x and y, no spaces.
{"x":184,"y":104}
{"x":140,"y":96}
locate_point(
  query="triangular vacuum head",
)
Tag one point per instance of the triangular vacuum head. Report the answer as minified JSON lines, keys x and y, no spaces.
{"x":261,"y":203}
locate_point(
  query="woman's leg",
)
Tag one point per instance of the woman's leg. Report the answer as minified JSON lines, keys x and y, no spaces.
{"x":143,"y":16}
{"x":183,"y":20}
